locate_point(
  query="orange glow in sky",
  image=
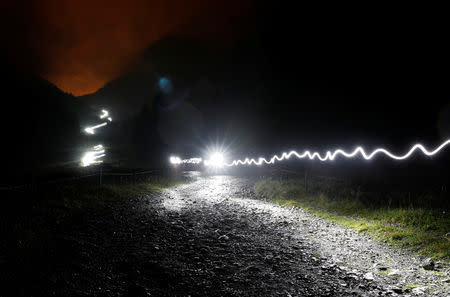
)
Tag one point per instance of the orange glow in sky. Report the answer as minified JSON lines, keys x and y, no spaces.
{"x":87,"y":43}
{"x":83,"y":44}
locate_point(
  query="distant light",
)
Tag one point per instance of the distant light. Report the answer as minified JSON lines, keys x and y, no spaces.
{"x":110,"y":119}
{"x":215,"y":160}
{"x":90,"y":130}
{"x":175,"y":160}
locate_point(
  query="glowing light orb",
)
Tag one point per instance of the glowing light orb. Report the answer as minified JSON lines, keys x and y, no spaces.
{"x":215,"y":160}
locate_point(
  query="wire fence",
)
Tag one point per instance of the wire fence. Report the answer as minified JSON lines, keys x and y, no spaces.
{"x":98,"y":178}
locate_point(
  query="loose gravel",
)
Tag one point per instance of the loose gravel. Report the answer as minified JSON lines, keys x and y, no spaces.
{"x":215,"y":237}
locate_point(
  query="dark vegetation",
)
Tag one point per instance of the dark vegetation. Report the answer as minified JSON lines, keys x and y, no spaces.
{"x":39,"y":123}
{"x":419,"y":220}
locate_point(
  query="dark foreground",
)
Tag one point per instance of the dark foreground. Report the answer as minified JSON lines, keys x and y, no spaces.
{"x":211,"y":237}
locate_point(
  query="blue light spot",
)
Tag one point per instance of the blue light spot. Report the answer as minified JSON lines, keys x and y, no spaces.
{"x":163,"y":82}
{"x":165,"y":85}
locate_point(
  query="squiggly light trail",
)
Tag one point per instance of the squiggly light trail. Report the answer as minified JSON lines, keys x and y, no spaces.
{"x":330,"y":156}
{"x":177,"y":160}
{"x":93,"y":156}
{"x":90,"y":130}
{"x":104,"y":114}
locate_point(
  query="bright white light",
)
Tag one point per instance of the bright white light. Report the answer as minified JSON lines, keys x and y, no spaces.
{"x":104,"y":114}
{"x":215,"y":160}
{"x":92,"y":157}
{"x":110,"y":119}
{"x":90,"y":130}
{"x":175,"y":160}
{"x":330,"y":156}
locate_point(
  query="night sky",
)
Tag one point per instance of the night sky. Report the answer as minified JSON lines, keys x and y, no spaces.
{"x":254,"y":76}
{"x":80,"y":45}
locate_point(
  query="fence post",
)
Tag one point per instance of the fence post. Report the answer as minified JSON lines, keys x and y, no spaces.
{"x":306,"y":181}
{"x":33,"y":183}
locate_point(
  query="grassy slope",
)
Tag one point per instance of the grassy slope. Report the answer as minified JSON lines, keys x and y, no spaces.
{"x":418,"y":229}
{"x":89,"y":196}
{"x":35,"y":224}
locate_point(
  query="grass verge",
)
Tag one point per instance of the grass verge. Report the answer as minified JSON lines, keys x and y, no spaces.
{"x":86,"y":196}
{"x":57,"y":229}
{"x":34,"y":219}
{"x":418,"y":229}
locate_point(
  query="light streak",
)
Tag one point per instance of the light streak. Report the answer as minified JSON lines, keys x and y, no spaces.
{"x":192,"y":161}
{"x":217,"y":159}
{"x":176,"y":160}
{"x":90,"y":130}
{"x":92,"y":157}
{"x":104,"y":114}
{"x":330,"y":156}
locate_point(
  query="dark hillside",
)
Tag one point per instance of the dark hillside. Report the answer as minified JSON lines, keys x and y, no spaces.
{"x":40,"y":125}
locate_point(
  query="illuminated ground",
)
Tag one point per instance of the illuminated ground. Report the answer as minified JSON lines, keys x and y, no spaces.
{"x":212,"y":237}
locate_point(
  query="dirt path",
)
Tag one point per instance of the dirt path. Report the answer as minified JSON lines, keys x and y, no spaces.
{"x":214,"y":237}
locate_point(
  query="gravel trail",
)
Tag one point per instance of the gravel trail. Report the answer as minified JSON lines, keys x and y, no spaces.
{"x":214,"y":237}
